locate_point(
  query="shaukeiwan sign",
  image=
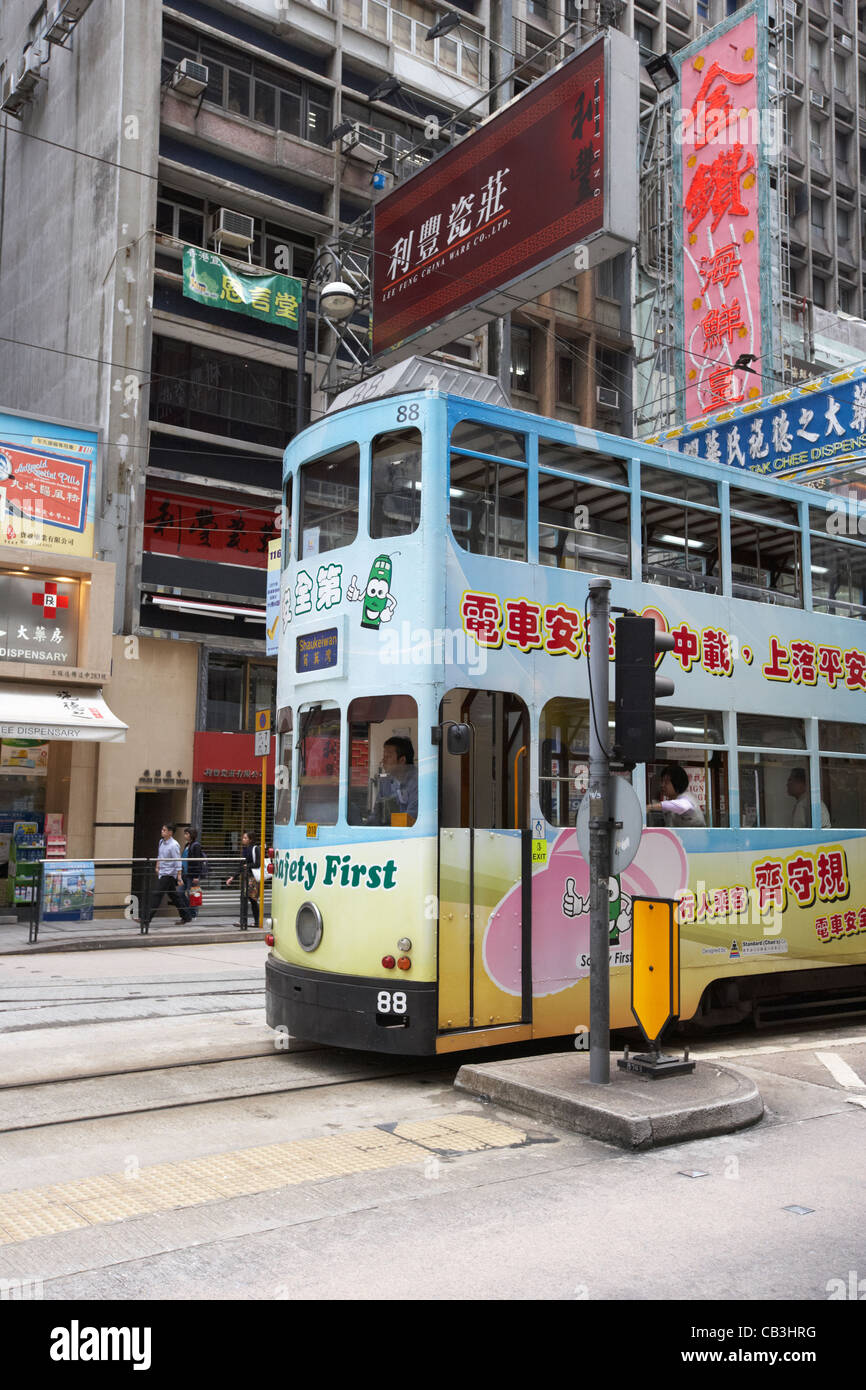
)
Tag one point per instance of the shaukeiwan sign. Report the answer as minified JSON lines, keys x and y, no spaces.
{"x":545,"y":188}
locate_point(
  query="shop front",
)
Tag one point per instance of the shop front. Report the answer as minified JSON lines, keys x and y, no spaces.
{"x":229,"y":777}
{"x":55,"y":656}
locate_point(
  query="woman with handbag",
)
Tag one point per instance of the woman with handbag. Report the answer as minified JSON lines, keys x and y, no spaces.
{"x":253,"y":859}
{"x":192,"y":863}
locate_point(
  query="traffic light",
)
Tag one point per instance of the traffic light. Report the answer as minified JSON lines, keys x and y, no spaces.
{"x":638,"y":642}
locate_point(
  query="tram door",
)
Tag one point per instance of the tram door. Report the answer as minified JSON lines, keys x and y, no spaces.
{"x":485,"y":863}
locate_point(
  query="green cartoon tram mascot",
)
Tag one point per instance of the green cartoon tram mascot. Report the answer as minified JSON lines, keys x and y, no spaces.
{"x":377,"y":601}
{"x":619,"y":907}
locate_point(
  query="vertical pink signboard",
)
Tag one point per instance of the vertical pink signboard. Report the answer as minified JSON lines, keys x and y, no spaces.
{"x":720,"y":146}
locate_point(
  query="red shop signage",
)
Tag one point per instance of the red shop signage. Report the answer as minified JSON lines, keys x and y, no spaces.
{"x":506,"y":199}
{"x":230,"y":760}
{"x":203,"y":529}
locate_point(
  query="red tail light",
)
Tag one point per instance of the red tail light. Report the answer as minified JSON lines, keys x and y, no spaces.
{"x":269,"y":939}
{"x":388,"y":962}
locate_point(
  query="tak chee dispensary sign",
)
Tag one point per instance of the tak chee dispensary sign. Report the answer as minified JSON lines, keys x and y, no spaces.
{"x":499,"y":218}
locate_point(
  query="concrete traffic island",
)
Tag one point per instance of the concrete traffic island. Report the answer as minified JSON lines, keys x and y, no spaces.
{"x":633,"y":1111}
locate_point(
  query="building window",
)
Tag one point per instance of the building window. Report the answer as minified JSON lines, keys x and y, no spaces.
{"x":236,"y":688}
{"x":819,"y":214}
{"x":645,"y":36}
{"x":565,"y":378}
{"x":819,"y":292}
{"x":188,"y":219}
{"x":195,"y":388}
{"x":250,"y":87}
{"x":843,"y":224}
{"x":405,"y":24}
{"x":521,"y":358}
{"x":840,"y":69}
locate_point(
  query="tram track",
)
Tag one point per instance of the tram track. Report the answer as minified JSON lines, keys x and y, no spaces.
{"x":45,"y":1104}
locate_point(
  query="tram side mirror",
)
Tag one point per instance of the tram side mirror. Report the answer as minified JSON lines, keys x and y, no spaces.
{"x":459,"y":739}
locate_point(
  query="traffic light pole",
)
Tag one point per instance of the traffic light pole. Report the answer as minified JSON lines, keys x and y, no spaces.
{"x":599,"y":833}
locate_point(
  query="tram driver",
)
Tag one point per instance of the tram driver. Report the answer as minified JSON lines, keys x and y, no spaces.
{"x":397,"y":792}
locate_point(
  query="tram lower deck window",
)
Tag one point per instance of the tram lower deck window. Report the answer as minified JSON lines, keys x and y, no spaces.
{"x":318,"y":765}
{"x":383,"y":771}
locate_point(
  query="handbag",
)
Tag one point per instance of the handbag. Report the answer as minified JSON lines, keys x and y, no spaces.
{"x":195,"y":897}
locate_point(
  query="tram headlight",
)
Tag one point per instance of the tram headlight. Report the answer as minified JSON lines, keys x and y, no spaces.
{"x":309,"y":927}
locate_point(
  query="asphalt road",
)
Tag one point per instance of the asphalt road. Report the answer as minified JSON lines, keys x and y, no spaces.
{"x":153,"y":1144}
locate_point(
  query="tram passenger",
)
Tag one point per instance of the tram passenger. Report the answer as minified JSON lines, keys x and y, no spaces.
{"x":797,"y":786}
{"x":677,"y":804}
{"x":398,"y":783}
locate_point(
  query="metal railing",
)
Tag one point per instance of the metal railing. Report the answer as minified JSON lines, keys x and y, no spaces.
{"x":129,"y":889}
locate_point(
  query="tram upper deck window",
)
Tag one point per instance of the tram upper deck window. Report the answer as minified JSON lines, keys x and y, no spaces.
{"x":686,"y":488}
{"x":600,"y":468}
{"x":681,"y":544}
{"x":318,"y":765}
{"x":329,"y":501}
{"x":480,"y":438}
{"x":286,"y":530}
{"x":488,"y":506}
{"x":395,"y":487}
{"x":383,"y":772}
{"x":765,"y":548}
{"x":582,"y":527}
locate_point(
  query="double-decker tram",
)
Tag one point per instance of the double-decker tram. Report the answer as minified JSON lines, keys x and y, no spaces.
{"x":429,"y":894}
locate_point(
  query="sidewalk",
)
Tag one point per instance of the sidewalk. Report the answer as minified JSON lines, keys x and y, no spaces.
{"x":112,"y":932}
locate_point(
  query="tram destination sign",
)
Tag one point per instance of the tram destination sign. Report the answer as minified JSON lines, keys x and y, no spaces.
{"x":545,"y":188}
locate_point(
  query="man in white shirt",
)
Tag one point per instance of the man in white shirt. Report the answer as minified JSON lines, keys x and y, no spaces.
{"x":169,"y":872}
{"x":801,"y":816}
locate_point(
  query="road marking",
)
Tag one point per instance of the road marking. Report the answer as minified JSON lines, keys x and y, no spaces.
{"x":218,"y":1177}
{"x":840,"y":1071}
{"x":770,"y":1048}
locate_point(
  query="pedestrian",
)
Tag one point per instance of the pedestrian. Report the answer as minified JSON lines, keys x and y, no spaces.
{"x":252,"y":858}
{"x":192,"y":862}
{"x":169,"y":872}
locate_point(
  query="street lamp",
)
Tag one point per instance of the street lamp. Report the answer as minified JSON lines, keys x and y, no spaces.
{"x":385,"y":89}
{"x":662,"y":73}
{"x":337,"y":301}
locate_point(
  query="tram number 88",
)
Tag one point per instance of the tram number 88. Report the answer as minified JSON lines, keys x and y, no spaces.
{"x":387,"y":1003}
{"x":407,"y":412}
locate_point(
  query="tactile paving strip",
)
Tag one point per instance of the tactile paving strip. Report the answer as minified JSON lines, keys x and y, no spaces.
{"x":216,"y":1177}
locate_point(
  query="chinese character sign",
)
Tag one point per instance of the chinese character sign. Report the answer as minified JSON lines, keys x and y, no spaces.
{"x":39,"y":620}
{"x":518,"y":192}
{"x":718,"y":133}
{"x":821,"y":422}
{"x":203,"y":529}
{"x":272,"y":623}
{"x":46,"y":486}
{"x":209,"y":280}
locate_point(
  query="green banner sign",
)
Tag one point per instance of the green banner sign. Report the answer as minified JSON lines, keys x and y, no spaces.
{"x":207,"y":279}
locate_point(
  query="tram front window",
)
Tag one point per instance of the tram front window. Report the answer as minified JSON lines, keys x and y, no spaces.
{"x":318,"y":765}
{"x":383,"y":770}
{"x":395,"y":484}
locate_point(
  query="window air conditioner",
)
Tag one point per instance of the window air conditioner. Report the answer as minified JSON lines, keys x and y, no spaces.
{"x":189,"y":78}
{"x":608,"y":397}
{"x":234,"y":228}
{"x":365,"y":143}
{"x":28,"y":73}
{"x":817,"y":99}
{"x":13,"y":99}
{"x":846,"y":40}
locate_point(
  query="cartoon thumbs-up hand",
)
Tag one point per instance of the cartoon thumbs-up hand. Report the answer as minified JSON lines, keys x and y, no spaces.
{"x":353,"y":593}
{"x":573,"y":905}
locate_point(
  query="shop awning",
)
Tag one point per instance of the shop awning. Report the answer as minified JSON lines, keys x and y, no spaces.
{"x":58,"y":712}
